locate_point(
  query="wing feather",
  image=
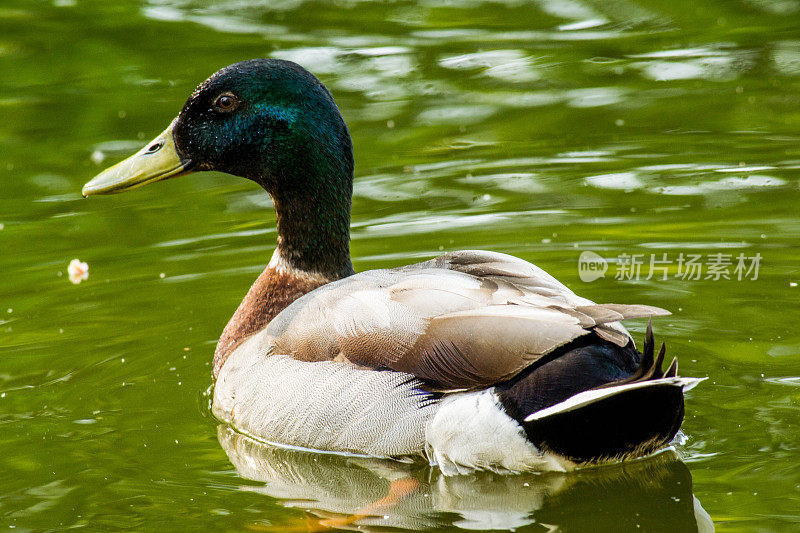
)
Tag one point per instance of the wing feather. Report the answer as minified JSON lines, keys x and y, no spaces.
{"x":462,"y":320}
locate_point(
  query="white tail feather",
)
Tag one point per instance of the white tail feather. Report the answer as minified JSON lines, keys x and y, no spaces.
{"x":590,"y":396}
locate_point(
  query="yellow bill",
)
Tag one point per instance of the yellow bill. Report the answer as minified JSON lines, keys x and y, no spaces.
{"x":157,"y":161}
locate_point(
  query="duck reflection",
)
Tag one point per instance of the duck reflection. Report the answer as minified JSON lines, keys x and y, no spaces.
{"x":367,"y":494}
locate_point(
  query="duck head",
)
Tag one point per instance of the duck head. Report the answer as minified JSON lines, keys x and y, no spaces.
{"x":258,"y":119}
{"x":273,"y":122}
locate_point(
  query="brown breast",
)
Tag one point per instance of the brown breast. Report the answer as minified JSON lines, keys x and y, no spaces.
{"x":274,"y":289}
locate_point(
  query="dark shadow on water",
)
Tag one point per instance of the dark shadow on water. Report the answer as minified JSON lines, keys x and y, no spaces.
{"x":653,"y":494}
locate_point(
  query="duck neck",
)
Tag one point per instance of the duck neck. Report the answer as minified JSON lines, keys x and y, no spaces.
{"x":314,"y":232}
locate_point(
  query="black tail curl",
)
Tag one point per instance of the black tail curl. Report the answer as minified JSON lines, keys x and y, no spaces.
{"x":649,"y":367}
{"x":633,"y":421}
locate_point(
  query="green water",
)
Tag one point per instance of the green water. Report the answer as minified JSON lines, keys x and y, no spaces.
{"x":542,"y":129}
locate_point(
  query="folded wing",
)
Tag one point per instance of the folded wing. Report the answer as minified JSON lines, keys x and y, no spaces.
{"x":463,"y":320}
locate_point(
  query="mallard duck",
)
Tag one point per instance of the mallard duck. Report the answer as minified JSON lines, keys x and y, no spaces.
{"x":475,"y":360}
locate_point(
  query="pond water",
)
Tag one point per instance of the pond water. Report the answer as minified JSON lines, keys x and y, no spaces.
{"x":639,"y":130}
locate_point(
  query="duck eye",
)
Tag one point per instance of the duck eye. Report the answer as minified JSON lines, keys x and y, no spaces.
{"x":225,"y":103}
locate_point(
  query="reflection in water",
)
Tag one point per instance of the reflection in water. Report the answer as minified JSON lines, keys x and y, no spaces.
{"x":655,"y":493}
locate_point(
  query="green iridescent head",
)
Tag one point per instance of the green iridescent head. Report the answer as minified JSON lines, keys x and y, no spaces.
{"x":267,"y":120}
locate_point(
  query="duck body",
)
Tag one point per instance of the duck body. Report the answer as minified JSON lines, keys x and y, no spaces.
{"x":446,"y":359}
{"x":474,"y":360}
